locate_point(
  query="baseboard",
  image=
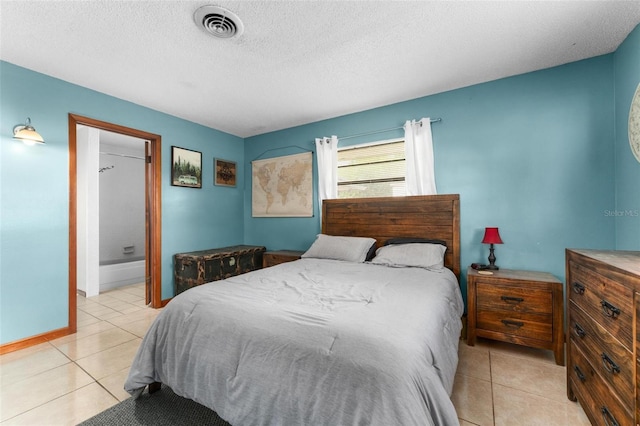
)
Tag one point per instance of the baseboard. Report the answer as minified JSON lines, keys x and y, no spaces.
{"x":34,"y":340}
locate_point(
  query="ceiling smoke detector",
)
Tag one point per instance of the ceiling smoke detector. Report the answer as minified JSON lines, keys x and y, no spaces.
{"x":218,"y":21}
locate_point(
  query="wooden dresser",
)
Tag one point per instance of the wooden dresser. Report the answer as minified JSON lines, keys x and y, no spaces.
{"x":522,"y":307}
{"x":199,"y":267}
{"x":603,"y":337}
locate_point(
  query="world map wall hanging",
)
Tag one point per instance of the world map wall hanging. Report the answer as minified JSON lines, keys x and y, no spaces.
{"x":282,"y":186}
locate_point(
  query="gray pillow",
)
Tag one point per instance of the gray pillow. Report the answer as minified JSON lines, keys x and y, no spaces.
{"x":420,"y":255}
{"x":350,"y":249}
{"x":411,"y":240}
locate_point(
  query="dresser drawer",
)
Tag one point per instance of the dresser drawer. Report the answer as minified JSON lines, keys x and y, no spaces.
{"x":638,"y":390}
{"x":606,"y":301}
{"x":607,"y":355}
{"x":514,"y":299}
{"x":637,"y":301}
{"x":597,"y":399}
{"x":532,"y":326}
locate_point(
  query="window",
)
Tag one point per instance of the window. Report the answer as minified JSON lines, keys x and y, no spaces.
{"x":372,"y":170}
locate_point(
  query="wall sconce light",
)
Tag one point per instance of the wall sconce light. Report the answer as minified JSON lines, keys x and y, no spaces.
{"x":27,"y":134}
{"x":491,"y":236}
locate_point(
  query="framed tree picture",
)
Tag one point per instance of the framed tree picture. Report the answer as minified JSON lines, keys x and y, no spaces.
{"x":224,"y":172}
{"x":186,"y":167}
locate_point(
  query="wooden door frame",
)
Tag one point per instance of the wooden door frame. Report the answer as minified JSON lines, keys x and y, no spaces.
{"x":155,"y":214}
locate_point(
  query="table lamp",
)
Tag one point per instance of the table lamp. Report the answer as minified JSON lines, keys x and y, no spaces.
{"x":491,"y":236}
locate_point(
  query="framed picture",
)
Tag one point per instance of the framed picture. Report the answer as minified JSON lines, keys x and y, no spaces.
{"x":186,"y":167}
{"x":224,"y":172}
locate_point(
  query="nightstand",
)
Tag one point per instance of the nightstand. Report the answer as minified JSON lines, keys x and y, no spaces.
{"x":521,"y":307}
{"x":272,"y":258}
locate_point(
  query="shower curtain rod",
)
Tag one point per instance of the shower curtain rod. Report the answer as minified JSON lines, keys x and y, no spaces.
{"x":122,"y":155}
{"x":433,"y":120}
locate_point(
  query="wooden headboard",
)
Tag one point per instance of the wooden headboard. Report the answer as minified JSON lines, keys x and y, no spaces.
{"x":424,"y":216}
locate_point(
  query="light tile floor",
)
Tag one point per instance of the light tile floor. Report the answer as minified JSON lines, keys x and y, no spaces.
{"x":503,"y":384}
{"x":68,"y":380}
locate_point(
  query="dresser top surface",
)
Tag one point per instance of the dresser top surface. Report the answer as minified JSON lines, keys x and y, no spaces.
{"x":623,"y":260}
{"x":222,"y":250}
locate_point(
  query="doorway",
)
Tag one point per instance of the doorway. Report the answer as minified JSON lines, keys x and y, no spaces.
{"x":153,"y":216}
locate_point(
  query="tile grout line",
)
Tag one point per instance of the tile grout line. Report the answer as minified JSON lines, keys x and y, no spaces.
{"x":95,"y":380}
{"x":46,"y":402}
{"x":71,"y":361}
{"x":493,"y":402}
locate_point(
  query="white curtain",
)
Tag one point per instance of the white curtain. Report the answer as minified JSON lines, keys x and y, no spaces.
{"x":418,"y":147}
{"x":327,"y":159}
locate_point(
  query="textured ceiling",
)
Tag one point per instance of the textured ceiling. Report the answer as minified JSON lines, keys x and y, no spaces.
{"x":300,"y":61}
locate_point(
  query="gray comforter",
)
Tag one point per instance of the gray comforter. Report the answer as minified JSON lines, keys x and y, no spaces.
{"x":311,"y":342}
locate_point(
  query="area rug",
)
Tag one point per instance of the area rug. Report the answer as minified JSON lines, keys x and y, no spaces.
{"x":159,"y":409}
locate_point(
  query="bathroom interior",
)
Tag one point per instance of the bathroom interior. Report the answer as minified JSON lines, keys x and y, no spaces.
{"x":111,"y":211}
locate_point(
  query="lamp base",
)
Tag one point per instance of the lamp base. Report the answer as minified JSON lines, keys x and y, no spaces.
{"x":492,"y":260}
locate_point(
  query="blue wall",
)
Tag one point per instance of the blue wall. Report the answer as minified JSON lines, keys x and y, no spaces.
{"x":532,"y":154}
{"x":627,"y":188}
{"x":542,"y":155}
{"x":34,"y":193}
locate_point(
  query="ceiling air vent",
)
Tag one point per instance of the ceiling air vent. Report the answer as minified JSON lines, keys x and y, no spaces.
{"x":218,"y":21}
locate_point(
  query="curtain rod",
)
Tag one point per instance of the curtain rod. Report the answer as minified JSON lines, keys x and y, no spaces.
{"x":433,"y":120}
{"x":122,"y":155}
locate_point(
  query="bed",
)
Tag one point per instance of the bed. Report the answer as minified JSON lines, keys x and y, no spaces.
{"x":322,"y":341}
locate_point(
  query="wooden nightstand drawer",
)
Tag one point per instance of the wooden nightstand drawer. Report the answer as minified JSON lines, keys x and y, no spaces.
{"x":608,"y":356}
{"x":520,"y":298}
{"x":606,"y":301}
{"x":600,"y":402}
{"x":532,"y":326}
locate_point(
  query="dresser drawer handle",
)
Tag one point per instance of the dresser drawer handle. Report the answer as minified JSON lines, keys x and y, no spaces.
{"x":510,"y":299}
{"x":513,"y":324}
{"x":609,"y":310}
{"x":578,"y":288}
{"x":609,"y":365}
{"x":609,"y":420}
{"x":579,"y":373}
{"x":580,"y":331}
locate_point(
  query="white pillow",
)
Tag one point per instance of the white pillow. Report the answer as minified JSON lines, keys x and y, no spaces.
{"x":428,"y":256}
{"x":350,"y":249}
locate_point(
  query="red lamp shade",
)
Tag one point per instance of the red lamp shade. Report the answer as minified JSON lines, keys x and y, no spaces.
{"x":491,"y":236}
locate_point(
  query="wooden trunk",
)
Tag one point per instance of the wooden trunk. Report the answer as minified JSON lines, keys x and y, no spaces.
{"x":199,"y":267}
